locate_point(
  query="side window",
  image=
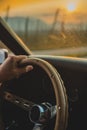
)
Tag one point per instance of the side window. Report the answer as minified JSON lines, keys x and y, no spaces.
{"x":2,"y":46}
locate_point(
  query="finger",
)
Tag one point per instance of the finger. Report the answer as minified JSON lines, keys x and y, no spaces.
{"x":20,"y":57}
{"x":24,"y":69}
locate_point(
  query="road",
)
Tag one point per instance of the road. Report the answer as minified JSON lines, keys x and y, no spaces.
{"x":64,"y":52}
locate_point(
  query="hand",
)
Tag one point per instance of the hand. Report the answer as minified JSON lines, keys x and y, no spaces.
{"x":9,"y":68}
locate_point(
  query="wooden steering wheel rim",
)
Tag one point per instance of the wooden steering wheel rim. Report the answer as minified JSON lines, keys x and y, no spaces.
{"x":60,"y":92}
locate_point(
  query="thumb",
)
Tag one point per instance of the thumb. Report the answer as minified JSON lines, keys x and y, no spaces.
{"x":29,"y":68}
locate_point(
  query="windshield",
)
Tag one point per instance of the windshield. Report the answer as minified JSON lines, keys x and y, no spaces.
{"x":53,"y":27}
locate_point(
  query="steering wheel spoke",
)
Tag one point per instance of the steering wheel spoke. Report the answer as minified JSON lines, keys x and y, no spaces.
{"x":20,"y":102}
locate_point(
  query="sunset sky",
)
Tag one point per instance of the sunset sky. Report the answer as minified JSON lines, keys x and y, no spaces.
{"x":45,"y":7}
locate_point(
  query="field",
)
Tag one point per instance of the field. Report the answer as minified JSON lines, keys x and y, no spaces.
{"x":56,"y":40}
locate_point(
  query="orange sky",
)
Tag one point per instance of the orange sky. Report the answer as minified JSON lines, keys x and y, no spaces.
{"x":81,"y":4}
{"x":36,"y":7}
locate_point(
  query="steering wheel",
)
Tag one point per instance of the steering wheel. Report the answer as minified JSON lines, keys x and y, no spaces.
{"x":40,"y":114}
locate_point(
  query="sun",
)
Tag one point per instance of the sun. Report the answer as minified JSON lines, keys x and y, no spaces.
{"x":71,"y":7}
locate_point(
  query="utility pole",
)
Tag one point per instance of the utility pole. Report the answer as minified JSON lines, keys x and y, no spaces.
{"x":26,"y":30}
{"x":7,"y":13}
{"x":55,"y":21}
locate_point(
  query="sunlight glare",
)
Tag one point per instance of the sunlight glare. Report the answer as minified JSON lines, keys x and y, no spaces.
{"x":71,"y":7}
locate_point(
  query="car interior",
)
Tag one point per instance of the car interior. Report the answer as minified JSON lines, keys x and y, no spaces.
{"x":53,"y":95}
